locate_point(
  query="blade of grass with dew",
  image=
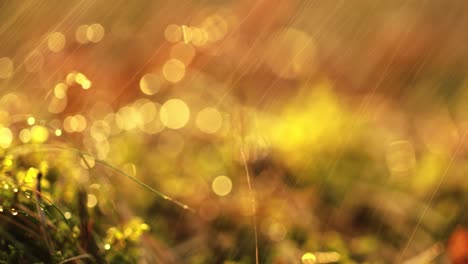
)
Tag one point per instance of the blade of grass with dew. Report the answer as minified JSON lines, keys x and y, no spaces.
{"x":107,"y":165}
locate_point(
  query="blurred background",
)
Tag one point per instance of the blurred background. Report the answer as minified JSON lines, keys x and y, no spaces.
{"x":280,"y":131}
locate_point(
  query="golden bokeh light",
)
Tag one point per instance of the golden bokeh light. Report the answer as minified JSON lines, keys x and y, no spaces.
{"x":70,"y":79}
{"x":128,"y":118}
{"x":100,"y":130}
{"x":81,"y":34}
{"x":6,"y":137}
{"x":290,"y":53}
{"x":56,"y":42}
{"x":6,"y":68}
{"x":199,"y":36}
{"x":76,"y":123}
{"x":309,"y":258}
{"x":215,"y":27}
{"x":57,"y":105}
{"x":95,"y":33}
{"x":275,"y":230}
{"x":151,"y":83}
{"x":221,"y":185}
{"x":31,"y":120}
{"x":174,"y":113}
{"x":86,"y":84}
{"x":60,"y":90}
{"x":173,"y":70}
{"x":25,"y":135}
{"x":82,"y":80}
{"x":92,"y":201}
{"x":173,"y":33}
{"x":183,"y":52}
{"x":209,"y":120}
{"x":39,"y":134}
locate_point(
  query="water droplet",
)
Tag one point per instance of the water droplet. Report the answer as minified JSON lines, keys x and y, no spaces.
{"x":67,"y":215}
{"x":13,"y":211}
{"x":1,"y":209}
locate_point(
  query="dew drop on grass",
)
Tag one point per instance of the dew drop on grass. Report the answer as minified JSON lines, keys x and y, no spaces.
{"x":13,"y":211}
{"x":67,"y":215}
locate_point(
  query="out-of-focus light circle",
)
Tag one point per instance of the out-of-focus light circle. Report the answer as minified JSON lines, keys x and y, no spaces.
{"x":209,"y":120}
{"x":34,"y":61}
{"x":221,"y":185}
{"x":174,"y":70}
{"x":67,"y":215}
{"x":70,"y":79}
{"x":174,"y":113}
{"x":31,"y":120}
{"x":86,"y":84}
{"x":92,"y":201}
{"x":100,"y":130}
{"x":183,"y":52}
{"x":81,"y":34}
{"x":199,"y":36}
{"x":6,"y":68}
{"x":56,"y":42}
{"x":79,"y":123}
{"x":6,"y":137}
{"x":150,"y":83}
{"x":75,"y":123}
{"x":173,"y":33}
{"x":57,"y":105}
{"x":148,"y":113}
{"x":216,"y":27}
{"x":128,"y":118}
{"x":290,"y":53}
{"x":58,"y":132}
{"x":309,"y":258}
{"x":39,"y":134}
{"x":60,"y":90}
{"x":95,"y":33}
{"x":25,"y":135}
